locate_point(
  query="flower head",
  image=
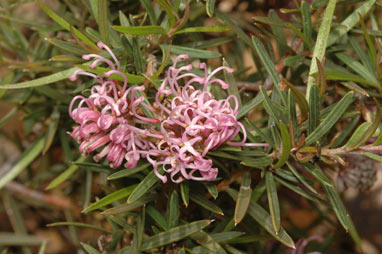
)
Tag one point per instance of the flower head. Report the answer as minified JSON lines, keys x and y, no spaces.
{"x":193,"y":123}
{"x":107,"y":118}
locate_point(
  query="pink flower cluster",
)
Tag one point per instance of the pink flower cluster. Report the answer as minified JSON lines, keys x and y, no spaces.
{"x":188,"y":122}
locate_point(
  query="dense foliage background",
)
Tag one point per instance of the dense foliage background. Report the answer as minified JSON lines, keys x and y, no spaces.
{"x":307,"y":75}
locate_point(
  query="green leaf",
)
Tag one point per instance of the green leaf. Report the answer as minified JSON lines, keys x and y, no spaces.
{"x":112,"y":197}
{"x":128,"y":171}
{"x":245,"y":109}
{"x":65,"y":175}
{"x":334,"y":115}
{"x":205,"y":29}
{"x":173,"y":217}
{"x":194,"y":53}
{"x":258,"y":163}
{"x":169,"y":10}
{"x":26,"y":158}
{"x":124,"y":208}
{"x":41,"y":81}
{"x":357,"y":67}
{"x":133,"y":79}
{"x":273,"y":200}
{"x":286,"y":145}
{"x":89,"y":249}
{"x":366,"y":61}
{"x":52,"y":129}
{"x":78,"y":224}
{"x":358,"y":134}
{"x":232,"y":89}
{"x":67,"y":46}
{"x":205,"y":203}
{"x":264,"y":219}
{"x":185,"y":192}
{"x":337,"y":206}
{"x":269,"y":105}
{"x":346,"y":132}
{"x":140,"y":30}
{"x":226,"y":236}
{"x":210,"y":7}
{"x":266,"y":60}
{"x":150,"y":11}
{"x":65,"y":24}
{"x":306,"y":21}
{"x":350,"y":22}
{"x":212,"y":189}
{"x":300,"y":178}
{"x":208,"y":242}
{"x":316,"y":171}
{"x":144,"y":186}
{"x":157,"y":217}
{"x":314,"y":109}
{"x":173,"y":235}
{"x":300,"y":99}
{"x":370,"y":130}
{"x":321,"y":42}
{"x":12,"y":239}
{"x":337,"y":75}
{"x":373,"y":156}
{"x":243,"y":198}
{"x":103,"y":22}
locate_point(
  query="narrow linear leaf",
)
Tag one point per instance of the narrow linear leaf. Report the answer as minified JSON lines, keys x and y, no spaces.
{"x":358,"y":134}
{"x":314,"y":109}
{"x":157,"y":217}
{"x":169,"y":10}
{"x":195,"y":53}
{"x":286,"y":145}
{"x":306,"y":21}
{"x":246,"y":108}
{"x":89,"y":249}
{"x":337,"y":75}
{"x":133,"y":79}
{"x":264,"y":219}
{"x":321,"y":42}
{"x":232,"y":89}
{"x":144,"y":186}
{"x":112,"y":197}
{"x":334,"y":115}
{"x":128,"y":171}
{"x":373,"y":156}
{"x":12,"y":239}
{"x":78,"y":224}
{"x":42,"y":81}
{"x":300,"y":178}
{"x":258,"y":163}
{"x":26,"y":158}
{"x":103,"y":22}
{"x":8,"y":116}
{"x":205,"y":29}
{"x":185,"y":192}
{"x":140,"y":30}
{"x":210,"y":7}
{"x":337,"y":206}
{"x":150,"y":11}
{"x":65,"y":175}
{"x":316,"y":171}
{"x":243,"y":198}
{"x":205,"y":203}
{"x":174,"y":234}
{"x":300,"y":99}
{"x":124,"y":208}
{"x":273,"y":200}
{"x":65,"y":24}
{"x":173,"y":217}
{"x":226,"y":236}
{"x":371,"y":130}
{"x":208,"y":242}
{"x":350,"y":22}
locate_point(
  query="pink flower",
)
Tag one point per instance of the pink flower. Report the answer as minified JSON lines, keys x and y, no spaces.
{"x":108,"y":117}
{"x":193,"y":123}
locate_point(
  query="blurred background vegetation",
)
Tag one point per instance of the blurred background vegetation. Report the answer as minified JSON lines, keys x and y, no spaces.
{"x":40,"y":39}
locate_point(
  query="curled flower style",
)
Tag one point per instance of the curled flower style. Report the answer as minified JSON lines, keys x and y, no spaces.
{"x":108,"y":117}
{"x":193,"y":123}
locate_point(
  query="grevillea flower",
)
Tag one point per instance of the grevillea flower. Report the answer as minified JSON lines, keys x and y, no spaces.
{"x":108,"y":117}
{"x":193,"y":122}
